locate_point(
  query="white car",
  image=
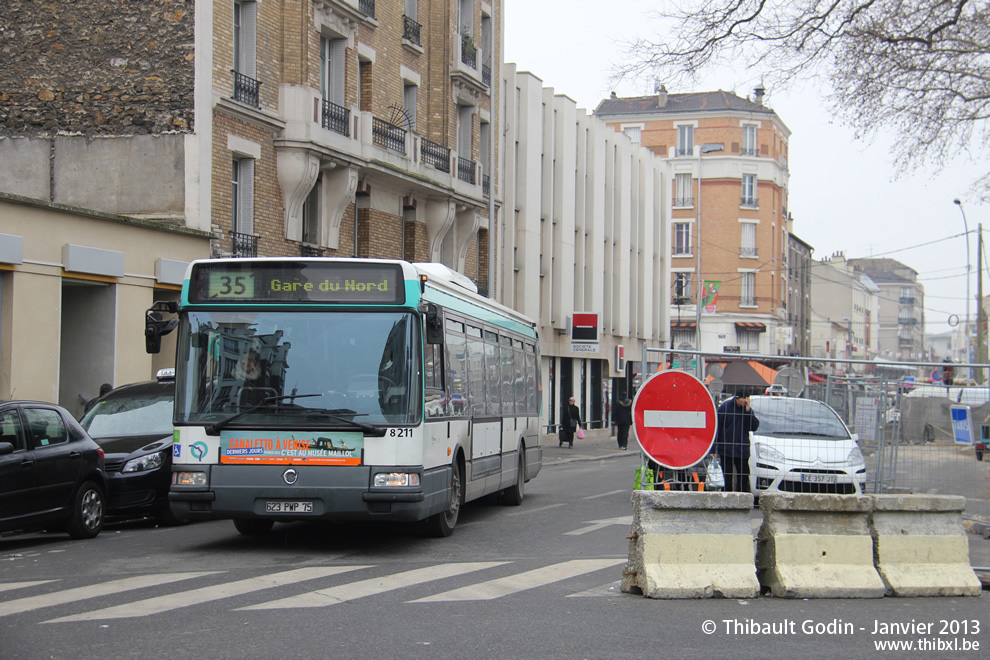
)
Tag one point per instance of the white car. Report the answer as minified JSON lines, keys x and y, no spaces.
{"x":803,"y":446}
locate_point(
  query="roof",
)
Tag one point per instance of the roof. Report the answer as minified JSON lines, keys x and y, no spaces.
{"x":713,"y":102}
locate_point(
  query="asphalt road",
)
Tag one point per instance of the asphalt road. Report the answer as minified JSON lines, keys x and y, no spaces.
{"x":535,"y":581}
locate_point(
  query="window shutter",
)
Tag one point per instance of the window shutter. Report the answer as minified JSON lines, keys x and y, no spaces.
{"x":245,"y":219}
{"x":338,"y":70}
{"x":249,"y":39}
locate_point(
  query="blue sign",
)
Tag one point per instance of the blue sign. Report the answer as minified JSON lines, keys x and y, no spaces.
{"x":962,"y":425}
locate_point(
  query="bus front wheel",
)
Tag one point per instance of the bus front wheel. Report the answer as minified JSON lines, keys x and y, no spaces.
{"x":442,"y":524}
{"x":513,"y":495}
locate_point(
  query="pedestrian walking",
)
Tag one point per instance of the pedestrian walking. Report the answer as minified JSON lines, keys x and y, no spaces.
{"x":570,"y":421}
{"x":736,"y":421}
{"x":622,"y":418}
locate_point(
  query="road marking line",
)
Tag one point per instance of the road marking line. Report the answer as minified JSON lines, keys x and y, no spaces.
{"x":611,"y":492}
{"x":597,"y":592}
{"x":94,"y":591}
{"x":523,"y":581}
{"x":176,"y":601}
{"x":373,"y":586}
{"x":680,"y":419}
{"x":528,"y":511}
{"x":10,"y":586}
{"x":601,"y":524}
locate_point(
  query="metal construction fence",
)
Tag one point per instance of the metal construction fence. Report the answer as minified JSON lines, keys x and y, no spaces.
{"x":908,"y":435}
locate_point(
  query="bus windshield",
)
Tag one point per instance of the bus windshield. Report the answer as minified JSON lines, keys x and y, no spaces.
{"x":296,"y":369}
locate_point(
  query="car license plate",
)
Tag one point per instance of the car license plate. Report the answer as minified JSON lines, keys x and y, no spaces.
{"x":288,"y":507}
{"x":819,"y":478}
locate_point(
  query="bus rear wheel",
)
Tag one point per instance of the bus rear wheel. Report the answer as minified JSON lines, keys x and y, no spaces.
{"x":442,"y":524}
{"x":253,"y":526}
{"x":514,"y":494}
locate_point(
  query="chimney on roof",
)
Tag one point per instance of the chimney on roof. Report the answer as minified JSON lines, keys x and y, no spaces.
{"x":758,"y":94}
{"x":661,"y":91}
{"x":612,"y":95}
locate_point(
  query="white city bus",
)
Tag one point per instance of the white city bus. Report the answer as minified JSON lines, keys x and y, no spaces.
{"x":346,"y":389}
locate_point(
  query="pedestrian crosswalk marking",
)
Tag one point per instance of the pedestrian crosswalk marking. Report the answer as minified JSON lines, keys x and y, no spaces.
{"x":523,"y":581}
{"x":93,"y":591}
{"x":175,"y":601}
{"x":373,"y":586}
{"x":10,"y":586}
{"x":598,"y":592}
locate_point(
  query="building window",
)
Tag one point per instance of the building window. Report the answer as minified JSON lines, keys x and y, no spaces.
{"x":749,"y":140}
{"x":410,"y":94}
{"x":747,"y":289}
{"x":682,"y":238}
{"x":311,"y":214}
{"x":747,"y":246}
{"x":682,"y":289}
{"x":332,"y":69}
{"x":634,"y":133}
{"x":749,"y":190}
{"x":242,"y":195}
{"x":683,"y":190}
{"x":685,"y":140}
{"x":246,"y":85}
{"x":748,"y":340}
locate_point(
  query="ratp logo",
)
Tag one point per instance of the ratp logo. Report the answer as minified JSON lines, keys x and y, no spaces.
{"x":198,"y":450}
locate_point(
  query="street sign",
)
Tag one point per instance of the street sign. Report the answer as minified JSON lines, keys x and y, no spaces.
{"x":962,"y":424}
{"x":674,"y":417}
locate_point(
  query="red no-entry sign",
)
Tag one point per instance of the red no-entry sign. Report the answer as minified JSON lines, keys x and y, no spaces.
{"x":674,"y":416}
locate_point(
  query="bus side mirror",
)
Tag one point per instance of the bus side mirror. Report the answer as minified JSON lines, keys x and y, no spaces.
{"x":155,"y":326}
{"x":434,"y":325}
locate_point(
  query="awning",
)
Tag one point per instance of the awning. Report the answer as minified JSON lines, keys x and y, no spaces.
{"x":682,"y":325}
{"x":750,"y":326}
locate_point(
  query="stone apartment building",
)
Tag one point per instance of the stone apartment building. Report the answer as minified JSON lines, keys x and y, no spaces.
{"x":901,"y":317}
{"x":248,"y":127}
{"x":727,"y":160}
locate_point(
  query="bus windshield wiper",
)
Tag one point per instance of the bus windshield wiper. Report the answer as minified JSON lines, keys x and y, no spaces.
{"x":216,"y":427}
{"x":370,"y":429}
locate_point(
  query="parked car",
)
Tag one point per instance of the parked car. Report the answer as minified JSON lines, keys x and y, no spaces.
{"x":803,"y":446}
{"x":51,"y":472}
{"x":133,"y":425}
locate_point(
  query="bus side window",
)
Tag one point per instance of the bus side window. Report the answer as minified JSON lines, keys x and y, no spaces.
{"x":436,"y":405}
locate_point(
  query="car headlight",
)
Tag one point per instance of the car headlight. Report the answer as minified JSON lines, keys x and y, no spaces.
{"x":144,"y":463}
{"x":768,"y":453}
{"x":855,"y":457}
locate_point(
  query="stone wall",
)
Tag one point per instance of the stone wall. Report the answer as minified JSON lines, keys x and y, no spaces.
{"x":96,"y":67}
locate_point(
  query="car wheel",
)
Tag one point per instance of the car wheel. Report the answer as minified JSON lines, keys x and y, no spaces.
{"x":87,"y":512}
{"x":253,"y":526}
{"x":442,"y":524}
{"x":513,"y":495}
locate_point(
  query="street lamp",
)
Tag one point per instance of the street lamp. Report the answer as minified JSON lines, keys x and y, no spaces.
{"x":966,"y":321}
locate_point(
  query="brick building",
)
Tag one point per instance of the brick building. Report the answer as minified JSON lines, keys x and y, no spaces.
{"x":314,"y":127}
{"x":727,"y":159}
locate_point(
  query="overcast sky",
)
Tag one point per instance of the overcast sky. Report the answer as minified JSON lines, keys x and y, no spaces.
{"x":843,"y":194}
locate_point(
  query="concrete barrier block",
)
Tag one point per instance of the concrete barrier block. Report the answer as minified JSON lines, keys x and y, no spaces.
{"x":817,"y":546}
{"x":920,"y":547}
{"x":691,"y":545}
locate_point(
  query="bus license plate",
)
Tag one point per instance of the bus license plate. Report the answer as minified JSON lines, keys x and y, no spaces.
{"x":820,"y":478}
{"x":288,"y":507}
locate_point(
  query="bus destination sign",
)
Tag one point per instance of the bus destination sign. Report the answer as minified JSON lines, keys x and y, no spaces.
{"x":322,"y":282}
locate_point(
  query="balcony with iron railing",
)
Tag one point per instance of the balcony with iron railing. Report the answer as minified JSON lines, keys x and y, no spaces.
{"x":747,"y":252}
{"x":310,"y":250}
{"x":486,"y":75}
{"x":247,"y":90}
{"x":367,"y":7}
{"x":486,"y":185}
{"x":243,"y":245}
{"x":748,"y":202}
{"x":749,"y":151}
{"x":466,"y":170}
{"x":469,"y":52}
{"x":388,"y":136}
{"x":411,"y":30}
{"x":335,"y":118}
{"x":684,"y":201}
{"x":435,"y":155}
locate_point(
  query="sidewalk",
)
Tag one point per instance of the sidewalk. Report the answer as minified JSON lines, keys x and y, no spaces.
{"x":597,"y":445}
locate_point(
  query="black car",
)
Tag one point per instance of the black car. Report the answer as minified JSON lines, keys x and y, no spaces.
{"x":133,"y":425}
{"x":51,"y":472}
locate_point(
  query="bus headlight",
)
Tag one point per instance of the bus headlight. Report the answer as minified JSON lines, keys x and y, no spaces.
{"x":390,"y":479}
{"x":189,"y":478}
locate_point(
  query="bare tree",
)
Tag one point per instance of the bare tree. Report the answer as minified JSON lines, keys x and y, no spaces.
{"x":920,"y":68}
